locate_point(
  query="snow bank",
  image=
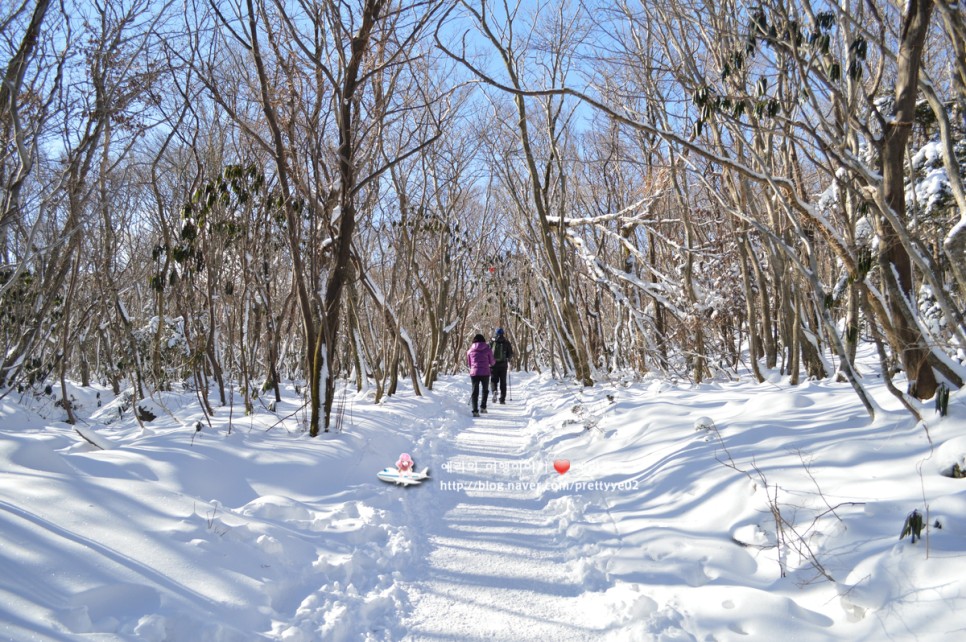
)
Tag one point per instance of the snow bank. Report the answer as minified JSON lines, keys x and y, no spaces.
{"x":648,"y":511}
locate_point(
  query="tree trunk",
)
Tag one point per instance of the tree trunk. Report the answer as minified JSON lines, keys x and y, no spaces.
{"x":342,"y":243}
{"x":9,"y":106}
{"x":753,"y":340}
{"x":767,"y":331}
{"x":894,"y":261}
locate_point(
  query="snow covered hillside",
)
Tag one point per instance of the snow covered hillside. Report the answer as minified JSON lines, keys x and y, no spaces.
{"x":629,"y":511}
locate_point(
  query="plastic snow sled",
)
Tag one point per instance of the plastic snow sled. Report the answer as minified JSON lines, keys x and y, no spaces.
{"x":393,"y":476}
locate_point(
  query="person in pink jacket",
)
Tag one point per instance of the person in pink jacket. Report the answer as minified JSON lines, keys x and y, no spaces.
{"x":480,"y":359}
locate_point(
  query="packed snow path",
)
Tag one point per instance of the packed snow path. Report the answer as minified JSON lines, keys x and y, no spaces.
{"x":507,"y":549}
{"x":497,"y":565}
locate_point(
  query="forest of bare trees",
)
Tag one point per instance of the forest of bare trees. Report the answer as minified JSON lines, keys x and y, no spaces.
{"x":230,"y":194}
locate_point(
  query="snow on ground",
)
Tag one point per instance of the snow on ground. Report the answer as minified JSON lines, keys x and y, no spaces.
{"x":629,"y":511}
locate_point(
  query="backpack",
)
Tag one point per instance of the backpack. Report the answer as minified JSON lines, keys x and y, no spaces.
{"x":498,"y":350}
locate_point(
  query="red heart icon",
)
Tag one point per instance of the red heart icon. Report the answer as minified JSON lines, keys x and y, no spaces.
{"x":562,"y":465}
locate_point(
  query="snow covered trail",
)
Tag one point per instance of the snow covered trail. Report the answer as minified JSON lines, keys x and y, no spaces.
{"x":609,"y":513}
{"x":497,"y":560}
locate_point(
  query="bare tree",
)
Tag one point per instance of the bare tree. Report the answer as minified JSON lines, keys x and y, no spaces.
{"x":546,"y":183}
{"x":15,"y":139}
{"x":332,"y":54}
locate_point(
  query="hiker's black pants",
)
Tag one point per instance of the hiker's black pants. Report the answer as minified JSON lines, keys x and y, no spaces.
{"x":479,"y":381}
{"x":498,"y":378}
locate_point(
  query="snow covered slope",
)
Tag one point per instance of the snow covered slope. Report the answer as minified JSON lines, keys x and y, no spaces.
{"x":674,"y":512}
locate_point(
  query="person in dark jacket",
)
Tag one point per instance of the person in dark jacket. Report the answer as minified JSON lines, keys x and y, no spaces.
{"x":502,"y":353}
{"x":480,"y":359}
